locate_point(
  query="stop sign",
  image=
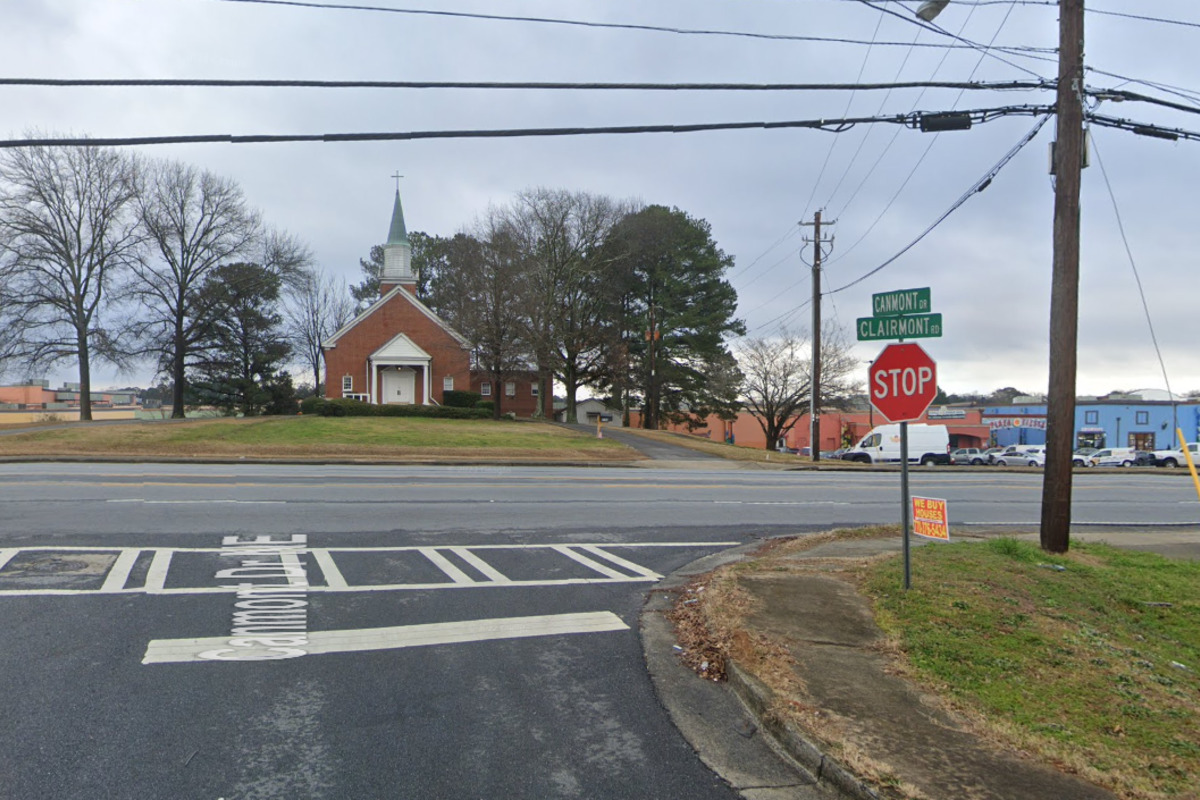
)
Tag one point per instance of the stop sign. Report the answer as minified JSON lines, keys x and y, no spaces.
{"x":902,"y":382}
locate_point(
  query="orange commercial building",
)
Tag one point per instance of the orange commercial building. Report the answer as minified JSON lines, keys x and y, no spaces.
{"x":839,"y":429}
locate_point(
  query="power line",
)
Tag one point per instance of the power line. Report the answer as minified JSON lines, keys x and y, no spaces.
{"x":1143,"y":18}
{"x":1144,"y":129}
{"x":791,"y":231}
{"x":986,"y":50}
{"x":934,"y":140}
{"x":977,"y":187}
{"x":833,"y":143}
{"x":611,"y":25}
{"x":828,"y":125}
{"x":1133,"y":266}
{"x":539,"y":85}
{"x":863,"y":141}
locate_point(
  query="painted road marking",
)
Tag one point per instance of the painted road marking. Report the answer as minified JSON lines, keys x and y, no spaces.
{"x":607,"y":567}
{"x":179,"y":651}
{"x":452,"y":572}
{"x":478,"y":563}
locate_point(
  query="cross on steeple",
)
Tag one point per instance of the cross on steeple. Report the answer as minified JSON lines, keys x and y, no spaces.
{"x":397,"y":176}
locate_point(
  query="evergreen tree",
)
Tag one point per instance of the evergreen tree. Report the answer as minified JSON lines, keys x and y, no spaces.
{"x":244,"y":347}
{"x":675,"y":312}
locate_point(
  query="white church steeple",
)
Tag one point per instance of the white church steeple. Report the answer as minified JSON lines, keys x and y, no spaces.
{"x":397,"y":253}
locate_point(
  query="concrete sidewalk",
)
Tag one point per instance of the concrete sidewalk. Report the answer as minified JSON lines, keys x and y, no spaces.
{"x":884,"y":723}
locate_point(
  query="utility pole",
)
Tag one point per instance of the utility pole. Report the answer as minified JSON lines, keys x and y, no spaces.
{"x":1064,"y":288}
{"x":814,"y":388}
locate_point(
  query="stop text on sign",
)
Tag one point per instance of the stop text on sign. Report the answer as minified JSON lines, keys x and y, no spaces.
{"x":902,"y":382}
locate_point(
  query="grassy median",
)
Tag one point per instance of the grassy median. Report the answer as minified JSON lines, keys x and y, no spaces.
{"x":320,"y":437}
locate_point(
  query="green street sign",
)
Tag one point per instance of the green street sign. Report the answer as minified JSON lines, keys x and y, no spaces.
{"x":912,"y":326}
{"x":905,"y":301}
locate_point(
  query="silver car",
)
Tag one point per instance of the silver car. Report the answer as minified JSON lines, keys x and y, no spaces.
{"x":1025,"y":457}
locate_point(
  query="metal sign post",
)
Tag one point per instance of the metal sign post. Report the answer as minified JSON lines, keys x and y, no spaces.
{"x":905,"y":504}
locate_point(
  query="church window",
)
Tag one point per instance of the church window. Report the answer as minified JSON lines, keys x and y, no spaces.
{"x":347,"y":384}
{"x":485,"y":388}
{"x":510,"y":388}
{"x":448,"y":384}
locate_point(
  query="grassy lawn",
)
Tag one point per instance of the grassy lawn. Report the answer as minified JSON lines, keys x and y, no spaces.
{"x":1094,"y":666}
{"x":339,"y":437}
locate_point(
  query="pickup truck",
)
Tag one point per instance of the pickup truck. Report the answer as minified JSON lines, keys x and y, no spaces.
{"x":1175,"y":458}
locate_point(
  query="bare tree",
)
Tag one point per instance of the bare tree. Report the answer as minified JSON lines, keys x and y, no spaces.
{"x":485,"y":294}
{"x":777,"y":380}
{"x":562,"y":234}
{"x":195,"y":221}
{"x":68,"y":230}
{"x":315,"y":307}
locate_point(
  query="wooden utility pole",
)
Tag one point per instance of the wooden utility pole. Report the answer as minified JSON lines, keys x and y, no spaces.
{"x":1064,"y":290}
{"x":814,"y":388}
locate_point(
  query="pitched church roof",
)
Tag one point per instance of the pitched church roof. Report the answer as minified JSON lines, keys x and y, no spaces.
{"x":397,"y":233}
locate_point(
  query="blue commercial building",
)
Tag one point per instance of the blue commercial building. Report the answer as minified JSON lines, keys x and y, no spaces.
{"x":1143,"y":425}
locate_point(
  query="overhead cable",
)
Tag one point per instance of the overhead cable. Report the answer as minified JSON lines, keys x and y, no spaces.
{"x":1144,"y":129}
{"x":1133,"y":266}
{"x":829,"y":125}
{"x":976,"y":187}
{"x":985,"y":49}
{"x":253,"y":83}
{"x":1015,"y":50}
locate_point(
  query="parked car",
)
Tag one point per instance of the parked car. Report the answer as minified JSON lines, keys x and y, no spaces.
{"x":1114,"y":457}
{"x":1026,"y":457}
{"x":989,"y":455}
{"x":1175,"y":458}
{"x":1012,"y":449}
{"x":1143,"y":458}
{"x":1083,"y":457}
{"x":968,"y":455}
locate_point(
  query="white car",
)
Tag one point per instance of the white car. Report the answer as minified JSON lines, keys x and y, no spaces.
{"x":1025,"y":457}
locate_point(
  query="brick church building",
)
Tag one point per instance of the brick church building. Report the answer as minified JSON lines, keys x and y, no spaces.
{"x":398,"y":350}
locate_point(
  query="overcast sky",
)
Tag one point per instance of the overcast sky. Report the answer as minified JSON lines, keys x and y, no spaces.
{"x":988,"y":264}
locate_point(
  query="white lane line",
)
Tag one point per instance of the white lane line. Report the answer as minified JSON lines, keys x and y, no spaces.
{"x":333,"y":575}
{"x":478,"y":563}
{"x":198,"y":502}
{"x":446,"y":565}
{"x":156,"y":578}
{"x":637,"y":569}
{"x":587,"y":562}
{"x":119,"y":573}
{"x":6,"y":555}
{"x":178,"y":651}
{"x":779,"y":503}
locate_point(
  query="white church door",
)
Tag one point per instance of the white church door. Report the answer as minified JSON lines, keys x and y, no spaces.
{"x":399,"y":385}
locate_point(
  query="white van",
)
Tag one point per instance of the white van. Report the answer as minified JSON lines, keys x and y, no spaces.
{"x":927,"y":444}
{"x":1114,"y":457}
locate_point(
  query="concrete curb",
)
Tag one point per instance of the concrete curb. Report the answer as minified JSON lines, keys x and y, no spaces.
{"x":801,"y":755}
{"x":759,"y":699}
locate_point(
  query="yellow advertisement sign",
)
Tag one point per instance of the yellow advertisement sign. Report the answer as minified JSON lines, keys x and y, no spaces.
{"x":930,"y":518}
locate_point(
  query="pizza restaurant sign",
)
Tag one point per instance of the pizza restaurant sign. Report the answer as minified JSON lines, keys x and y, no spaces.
{"x":1033,"y":423}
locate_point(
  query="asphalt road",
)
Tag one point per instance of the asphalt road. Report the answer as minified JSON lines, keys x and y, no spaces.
{"x":431,"y":632}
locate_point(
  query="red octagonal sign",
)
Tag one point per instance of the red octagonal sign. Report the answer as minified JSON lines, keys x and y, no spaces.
{"x":903,"y":382}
